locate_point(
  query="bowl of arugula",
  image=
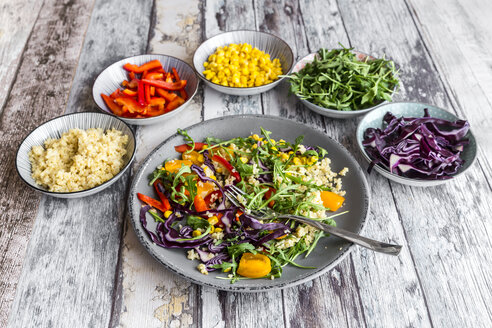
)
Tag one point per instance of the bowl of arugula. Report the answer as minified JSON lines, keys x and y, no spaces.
{"x":343,"y":83}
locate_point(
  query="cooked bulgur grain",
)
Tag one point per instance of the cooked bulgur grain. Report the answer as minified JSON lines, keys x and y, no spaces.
{"x":79,"y":160}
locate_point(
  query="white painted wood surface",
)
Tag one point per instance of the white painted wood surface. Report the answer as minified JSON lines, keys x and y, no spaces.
{"x":83,"y":274}
{"x":15,"y":27}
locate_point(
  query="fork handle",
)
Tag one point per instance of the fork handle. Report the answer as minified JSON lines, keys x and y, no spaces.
{"x":372,"y":244}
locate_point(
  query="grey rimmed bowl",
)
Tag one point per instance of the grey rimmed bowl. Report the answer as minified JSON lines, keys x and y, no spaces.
{"x":328,"y":252}
{"x":54,"y":129}
{"x":374,"y":119}
{"x":269,"y":43}
{"x":328,"y":112}
{"x":110,"y":79}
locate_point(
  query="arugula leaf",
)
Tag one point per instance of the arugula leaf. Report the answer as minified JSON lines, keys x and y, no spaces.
{"x":238,"y":249}
{"x":189,"y":140}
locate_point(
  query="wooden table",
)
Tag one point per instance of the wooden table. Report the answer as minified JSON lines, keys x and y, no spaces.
{"x":77,"y":263}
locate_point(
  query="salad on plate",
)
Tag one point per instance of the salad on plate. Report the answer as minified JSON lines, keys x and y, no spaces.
{"x":193,"y":213}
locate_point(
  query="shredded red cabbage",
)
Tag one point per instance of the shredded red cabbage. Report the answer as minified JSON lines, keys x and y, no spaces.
{"x":418,"y":147}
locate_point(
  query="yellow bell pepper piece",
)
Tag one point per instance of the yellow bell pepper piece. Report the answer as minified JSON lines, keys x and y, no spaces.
{"x":254,"y":265}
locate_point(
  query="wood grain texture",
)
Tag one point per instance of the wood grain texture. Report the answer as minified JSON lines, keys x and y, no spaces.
{"x":71,"y":259}
{"x":39,"y":93}
{"x":446,"y":227}
{"x":152,"y":296}
{"x":15,"y":27}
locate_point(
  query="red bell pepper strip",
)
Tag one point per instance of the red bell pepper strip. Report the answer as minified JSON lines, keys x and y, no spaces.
{"x":156,"y":111}
{"x":184,"y":147}
{"x":115,"y":108}
{"x":130,"y":104}
{"x":269,"y":194}
{"x":208,"y":198}
{"x":154,"y":76}
{"x":115,"y":94}
{"x":147,"y":93}
{"x":145,"y":67}
{"x":133,"y":84}
{"x":169,"y":96}
{"x":178,"y":101}
{"x":162,"y":197}
{"x":141,"y":93}
{"x":158,"y":70}
{"x":152,"y":202}
{"x":175,"y":73}
{"x":157,"y":101}
{"x":200,"y":205}
{"x":173,"y":86}
{"x":152,"y":91}
{"x":130,"y":93}
{"x":131,"y":75}
{"x":228,"y":166}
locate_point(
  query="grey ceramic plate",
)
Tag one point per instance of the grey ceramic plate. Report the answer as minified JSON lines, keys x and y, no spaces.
{"x":328,"y":252}
{"x":110,"y":79}
{"x":410,"y":109}
{"x":54,"y":129}
{"x":328,"y":112}
{"x":269,"y":43}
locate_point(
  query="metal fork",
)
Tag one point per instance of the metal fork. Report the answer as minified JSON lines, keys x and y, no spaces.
{"x":232,"y":193}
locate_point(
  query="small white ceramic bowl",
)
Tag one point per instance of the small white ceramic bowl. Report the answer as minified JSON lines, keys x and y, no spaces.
{"x":110,"y":79}
{"x":54,"y":129}
{"x":334,"y":113}
{"x":269,"y":43}
{"x":374,"y":119}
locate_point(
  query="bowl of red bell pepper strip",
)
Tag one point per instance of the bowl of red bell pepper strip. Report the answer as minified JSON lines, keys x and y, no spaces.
{"x":145,"y":89}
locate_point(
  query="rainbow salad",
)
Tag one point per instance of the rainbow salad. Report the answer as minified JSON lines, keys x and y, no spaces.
{"x":192,"y":212}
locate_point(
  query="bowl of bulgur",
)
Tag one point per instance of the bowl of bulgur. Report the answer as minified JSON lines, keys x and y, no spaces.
{"x":76,"y":155}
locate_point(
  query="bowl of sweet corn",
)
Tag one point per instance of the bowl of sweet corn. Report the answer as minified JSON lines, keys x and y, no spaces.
{"x":243,"y":63}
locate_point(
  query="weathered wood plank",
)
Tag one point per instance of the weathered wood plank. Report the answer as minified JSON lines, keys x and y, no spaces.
{"x":71,"y":260}
{"x":15,"y":27}
{"x":351,"y":305}
{"x":152,"y":296}
{"x":447,"y":227}
{"x":39,"y":92}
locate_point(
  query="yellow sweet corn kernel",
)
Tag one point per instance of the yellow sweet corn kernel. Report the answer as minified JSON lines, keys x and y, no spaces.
{"x":167,"y":214}
{"x":274,"y":148}
{"x":297,"y":161}
{"x":213,"y":220}
{"x":218,"y":230}
{"x":212,"y":229}
{"x":242,"y":66}
{"x":255,"y":146}
{"x":196,"y":233}
{"x":228,"y":269}
{"x":284,"y":156}
{"x":244,"y":160}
